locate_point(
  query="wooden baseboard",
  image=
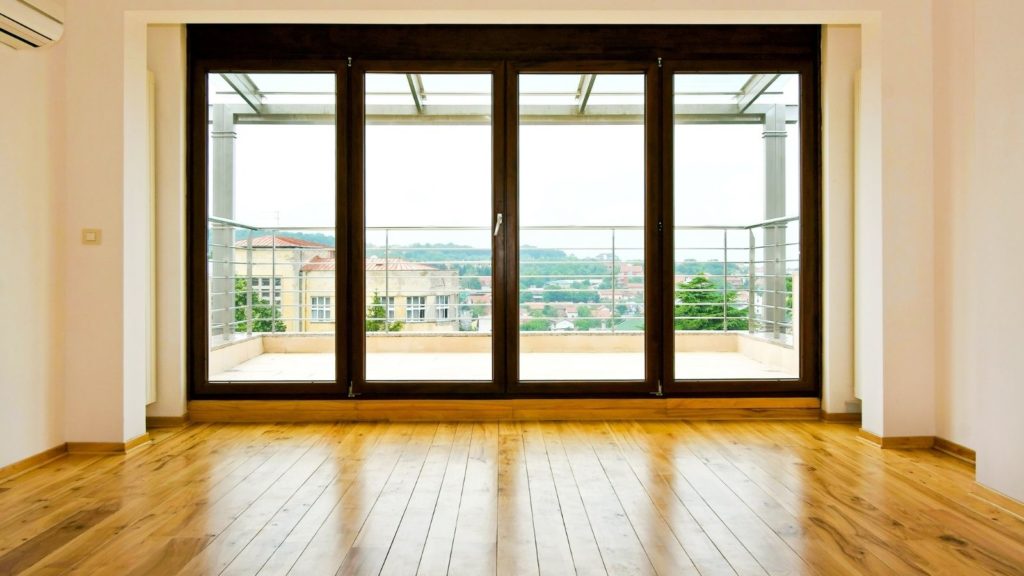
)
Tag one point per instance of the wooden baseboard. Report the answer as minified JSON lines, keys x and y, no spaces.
{"x":999,"y":499}
{"x":34,"y":461}
{"x":108,"y":447}
{"x":853,"y":417}
{"x":898,"y":442}
{"x":920,"y":443}
{"x":953,"y":449}
{"x":504,"y":410}
{"x":166,"y":421}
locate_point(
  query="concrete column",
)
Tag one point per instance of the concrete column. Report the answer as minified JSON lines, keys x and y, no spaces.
{"x":222,"y":192}
{"x":775,"y":207}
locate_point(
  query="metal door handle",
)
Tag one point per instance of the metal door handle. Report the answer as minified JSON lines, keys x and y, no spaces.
{"x":497,"y":224}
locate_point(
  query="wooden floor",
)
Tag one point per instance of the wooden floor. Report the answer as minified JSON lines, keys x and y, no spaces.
{"x":508,"y":498}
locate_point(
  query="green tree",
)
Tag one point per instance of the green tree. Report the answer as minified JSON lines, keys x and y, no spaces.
{"x":264,"y":315}
{"x":376,"y":317}
{"x":700,"y":306}
{"x":534,"y":325}
{"x":585,"y":319}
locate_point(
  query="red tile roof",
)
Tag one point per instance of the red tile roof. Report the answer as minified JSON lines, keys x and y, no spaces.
{"x":280,"y":242}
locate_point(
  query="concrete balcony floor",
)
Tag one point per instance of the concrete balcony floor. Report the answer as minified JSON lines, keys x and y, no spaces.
{"x":477,"y":366}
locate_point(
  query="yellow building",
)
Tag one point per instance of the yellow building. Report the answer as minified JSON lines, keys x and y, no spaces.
{"x":298,"y":277}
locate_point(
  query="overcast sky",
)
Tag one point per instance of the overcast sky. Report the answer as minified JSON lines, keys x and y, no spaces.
{"x":440,"y":175}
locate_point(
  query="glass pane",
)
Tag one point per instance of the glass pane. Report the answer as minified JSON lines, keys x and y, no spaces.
{"x":271,"y":227}
{"x":581,"y":235}
{"x":737,"y":225}
{"x":428,"y":218}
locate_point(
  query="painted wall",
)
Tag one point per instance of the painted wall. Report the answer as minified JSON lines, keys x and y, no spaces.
{"x":994,"y":242}
{"x":979,"y":199}
{"x":840,"y":65}
{"x":105,"y":136}
{"x":958,"y":332}
{"x":165,"y":57}
{"x":31,"y":284}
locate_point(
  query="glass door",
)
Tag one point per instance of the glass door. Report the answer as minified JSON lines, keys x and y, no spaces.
{"x":271,"y":243}
{"x":737,"y":227}
{"x":582,"y":188}
{"x":429,"y":230}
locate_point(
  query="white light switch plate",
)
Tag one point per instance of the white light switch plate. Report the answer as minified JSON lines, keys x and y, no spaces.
{"x":92,"y":236}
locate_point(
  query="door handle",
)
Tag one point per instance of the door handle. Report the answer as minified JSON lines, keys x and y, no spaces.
{"x":497,"y":224}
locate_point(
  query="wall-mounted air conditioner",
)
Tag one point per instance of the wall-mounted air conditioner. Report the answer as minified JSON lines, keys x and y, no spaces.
{"x":30,"y":23}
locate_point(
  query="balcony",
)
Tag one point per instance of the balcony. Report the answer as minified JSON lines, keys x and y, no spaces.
{"x":429,"y":303}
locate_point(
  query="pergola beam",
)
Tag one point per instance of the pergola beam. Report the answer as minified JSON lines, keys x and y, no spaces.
{"x":246,"y":88}
{"x":584,"y":90}
{"x":753,"y":89}
{"x":529,"y":114}
{"x":418,"y":93}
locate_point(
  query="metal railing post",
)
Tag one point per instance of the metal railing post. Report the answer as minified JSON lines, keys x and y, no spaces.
{"x":613,"y":280}
{"x":273,"y":281}
{"x":725,"y":280}
{"x":248,"y":285}
{"x":751,"y":281}
{"x":386,"y":301}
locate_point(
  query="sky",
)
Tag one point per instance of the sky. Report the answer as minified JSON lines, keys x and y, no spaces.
{"x":569,"y":175}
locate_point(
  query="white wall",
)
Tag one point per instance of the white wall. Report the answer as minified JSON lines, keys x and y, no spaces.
{"x":956,"y":220}
{"x":840,"y":65}
{"x":166,"y":59}
{"x":106,"y":83}
{"x":937,"y":198}
{"x":31,"y":300}
{"x":991,"y":302}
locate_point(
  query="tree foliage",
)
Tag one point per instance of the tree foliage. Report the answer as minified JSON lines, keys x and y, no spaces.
{"x":376,"y":317}
{"x":264,"y":315}
{"x":703,"y":305}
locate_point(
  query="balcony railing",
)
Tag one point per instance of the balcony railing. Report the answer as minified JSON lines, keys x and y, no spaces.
{"x":438,"y":279}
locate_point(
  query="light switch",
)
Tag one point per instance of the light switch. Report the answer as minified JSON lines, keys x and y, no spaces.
{"x":93,"y":236}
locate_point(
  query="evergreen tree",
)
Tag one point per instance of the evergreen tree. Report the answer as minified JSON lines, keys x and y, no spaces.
{"x":376,"y":317}
{"x":701,"y":304}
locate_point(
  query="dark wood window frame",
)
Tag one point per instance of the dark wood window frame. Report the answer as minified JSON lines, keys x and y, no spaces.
{"x":659,"y":51}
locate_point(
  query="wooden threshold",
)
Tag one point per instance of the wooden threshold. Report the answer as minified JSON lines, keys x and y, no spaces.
{"x":504,"y":410}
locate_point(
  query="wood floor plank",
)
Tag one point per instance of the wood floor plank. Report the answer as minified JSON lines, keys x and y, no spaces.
{"x":621,"y":549}
{"x":222,"y":549}
{"x":623,"y":497}
{"x":651,"y":472}
{"x":829,"y":552}
{"x":276,"y":530}
{"x":665,"y":552}
{"x":410,"y":539}
{"x":774,"y":555}
{"x":437,"y":549}
{"x":198,"y":519}
{"x":517,"y":542}
{"x":474,"y":548}
{"x":34,"y":550}
{"x":586,"y":555}
{"x":327,"y":549}
{"x":370,"y":548}
{"x":554,"y":554}
{"x":291,"y":541}
{"x":660,"y":457}
{"x":146,"y":505}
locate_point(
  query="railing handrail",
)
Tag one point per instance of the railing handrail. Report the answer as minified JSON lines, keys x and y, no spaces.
{"x":769,"y":222}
